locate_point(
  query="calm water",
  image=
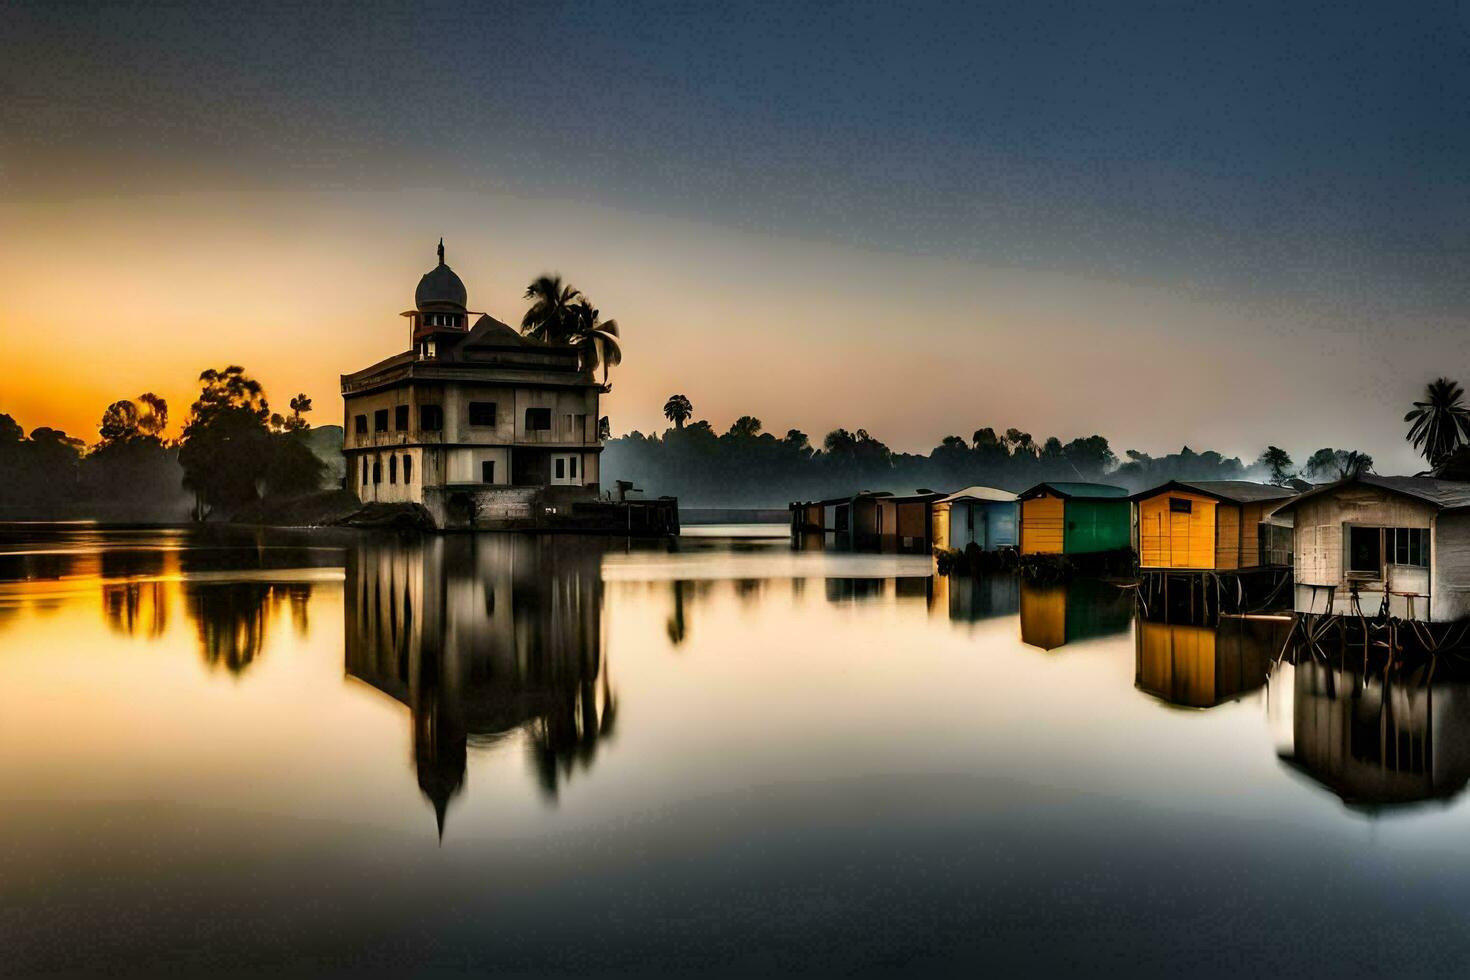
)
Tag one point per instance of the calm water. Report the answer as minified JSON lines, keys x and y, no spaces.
{"x":250,"y":752}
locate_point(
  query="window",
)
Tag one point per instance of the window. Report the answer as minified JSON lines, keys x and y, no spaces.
{"x":1178,"y":505}
{"x":392,"y":469}
{"x":1407,"y":546}
{"x":573,"y":470}
{"x":430,"y":350}
{"x":377,"y":471}
{"x":407,"y":468}
{"x":538,"y":419}
{"x":487,"y":471}
{"x":568,"y":424}
{"x":561,"y":468}
{"x":364,"y":463}
{"x":359,"y":425}
{"x":580,"y":428}
{"x":1365,"y":550}
{"x":431,"y":418}
{"x":482,"y":413}
{"x":380,"y":420}
{"x":400,"y":418}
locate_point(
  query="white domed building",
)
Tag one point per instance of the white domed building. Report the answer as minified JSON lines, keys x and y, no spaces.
{"x":480,"y":425}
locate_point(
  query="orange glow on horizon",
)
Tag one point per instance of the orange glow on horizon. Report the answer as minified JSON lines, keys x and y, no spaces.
{"x":102,"y":299}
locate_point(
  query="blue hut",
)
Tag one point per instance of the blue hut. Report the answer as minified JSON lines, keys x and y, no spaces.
{"x":983,"y":516}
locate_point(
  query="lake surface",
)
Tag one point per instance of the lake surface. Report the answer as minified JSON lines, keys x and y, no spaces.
{"x":252,"y":752}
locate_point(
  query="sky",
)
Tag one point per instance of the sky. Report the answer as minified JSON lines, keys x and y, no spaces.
{"x":1215,"y":225}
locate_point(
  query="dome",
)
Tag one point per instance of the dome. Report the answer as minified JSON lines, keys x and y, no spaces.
{"x":440,"y":289}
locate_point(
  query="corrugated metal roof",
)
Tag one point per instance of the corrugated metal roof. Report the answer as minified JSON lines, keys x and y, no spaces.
{"x":1234,"y":491}
{"x":1079,"y":490}
{"x":980,"y":493}
{"x":1442,"y":494}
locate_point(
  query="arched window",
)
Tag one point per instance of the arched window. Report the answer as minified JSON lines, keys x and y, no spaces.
{"x":377,"y":471}
{"x":392,"y":469}
{"x":407,"y":468}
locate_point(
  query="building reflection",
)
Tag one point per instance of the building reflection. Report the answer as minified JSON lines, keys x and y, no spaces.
{"x":1380,"y":738}
{"x":974,"y":598}
{"x":1056,"y":614}
{"x":482,"y":637}
{"x":1202,"y":666}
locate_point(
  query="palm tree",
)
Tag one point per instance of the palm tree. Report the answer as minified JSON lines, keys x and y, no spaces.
{"x":550,"y":318}
{"x":1441,"y":422}
{"x":678,"y":409}
{"x":598,"y":338}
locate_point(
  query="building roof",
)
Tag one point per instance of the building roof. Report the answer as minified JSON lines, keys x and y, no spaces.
{"x":981,"y":493}
{"x":440,"y":289}
{"x":1440,"y":494}
{"x":490,"y":332}
{"x":1079,"y":491}
{"x":1231,"y":491}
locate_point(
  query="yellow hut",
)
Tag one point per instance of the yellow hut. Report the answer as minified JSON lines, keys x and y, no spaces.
{"x":1217,"y":525}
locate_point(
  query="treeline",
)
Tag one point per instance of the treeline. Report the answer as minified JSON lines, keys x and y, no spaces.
{"x":233,"y":452}
{"x":748,"y":467}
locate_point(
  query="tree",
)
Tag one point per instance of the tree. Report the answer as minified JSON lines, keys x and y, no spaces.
{"x":1441,"y":422}
{"x":598,"y":338}
{"x":152,"y":414}
{"x":797,"y":440}
{"x":746,"y":426}
{"x":1088,"y":458}
{"x":1338,"y":464}
{"x":1020,"y":443}
{"x":550,"y":318}
{"x":225,"y":390}
{"x":225,"y":449}
{"x":1354,"y":464}
{"x":119,"y":422}
{"x":300,"y":405}
{"x":293,"y":468}
{"x":678,"y":410}
{"x":1277,"y":462}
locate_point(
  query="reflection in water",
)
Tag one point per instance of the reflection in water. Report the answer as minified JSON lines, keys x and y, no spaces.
{"x":1379,"y":738}
{"x":979,"y":597}
{"x":482,"y":636}
{"x":678,"y":627}
{"x":134,"y":597}
{"x":233,"y":618}
{"x":1202,"y":666}
{"x":1053,"y":615}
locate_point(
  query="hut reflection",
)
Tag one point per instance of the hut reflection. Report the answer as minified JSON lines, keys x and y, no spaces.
{"x":1202,"y":666}
{"x":1384,"y":738}
{"x":973,"y":598}
{"x":1056,"y":614}
{"x":482,"y":637}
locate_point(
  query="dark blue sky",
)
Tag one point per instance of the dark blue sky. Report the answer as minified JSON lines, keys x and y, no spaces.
{"x":1213,"y":141}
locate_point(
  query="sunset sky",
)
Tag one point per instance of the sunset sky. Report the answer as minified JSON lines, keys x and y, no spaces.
{"x":1221,"y":225}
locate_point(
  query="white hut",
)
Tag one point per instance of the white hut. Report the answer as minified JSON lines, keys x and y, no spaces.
{"x":1399,"y":544}
{"x":983,"y":516}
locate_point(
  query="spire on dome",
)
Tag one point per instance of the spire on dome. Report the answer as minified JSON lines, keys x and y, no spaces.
{"x":441,"y":249}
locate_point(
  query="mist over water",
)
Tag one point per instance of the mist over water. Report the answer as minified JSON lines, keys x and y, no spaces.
{"x":340,"y":752}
